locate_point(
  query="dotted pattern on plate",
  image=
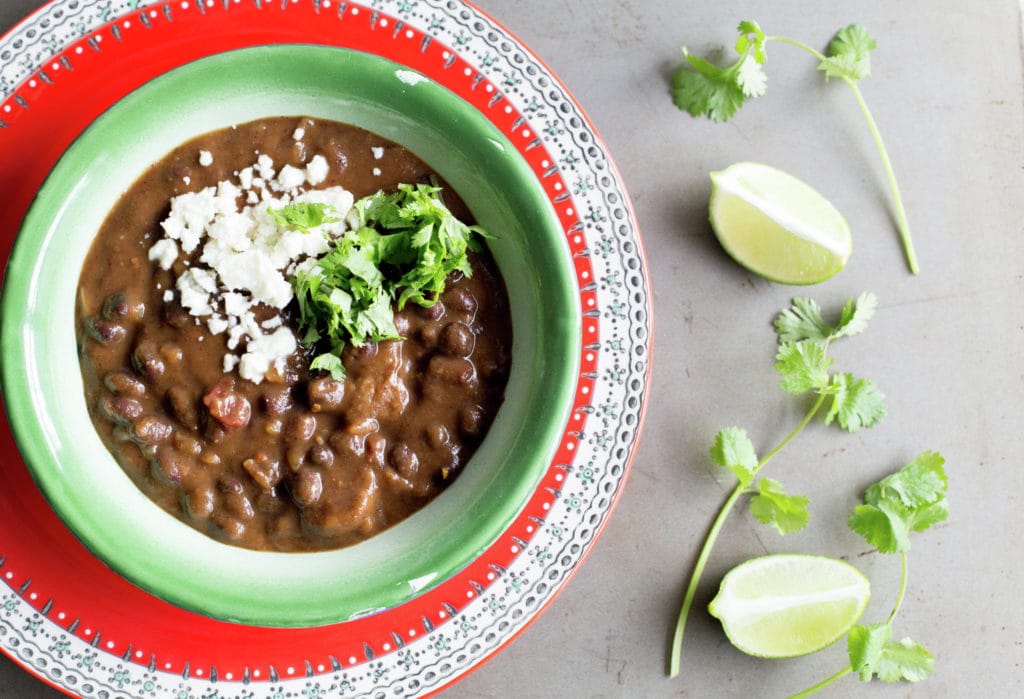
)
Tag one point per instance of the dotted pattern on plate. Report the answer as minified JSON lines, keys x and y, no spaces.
{"x":615,"y":296}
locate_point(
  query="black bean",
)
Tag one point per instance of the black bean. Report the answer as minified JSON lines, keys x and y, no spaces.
{"x":428,"y":334}
{"x":264,"y":471}
{"x":239,"y":505}
{"x":471,"y":420}
{"x":229,"y":484}
{"x":457,"y":340}
{"x":213,"y":432}
{"x":122,"y":410}
{"x":325,"y":394}
{"x":453,"y":370}
{"x":170,"y":465}
{"x":434,"y":312}
{"x":186,"y":444}
{"x":176,"y":316}
{"x":437,"y":435}
{"x":460,"y":300}
{"x":147,"y":361}
{"x":198,"y":503}
{"x":118,"y":307}
{"x":300,"y":428}
{"x":104,"y":331}
{"x":184,"y":406}
{"x":232,"y":528}
{"x":268,"y":502}
{"x":277,"y":400}
{"x":307,"y":487}
{"x":152,"y":430}
{"x":403,"y":459}
{"x":321,"y":455}
{"x":125,"y":383}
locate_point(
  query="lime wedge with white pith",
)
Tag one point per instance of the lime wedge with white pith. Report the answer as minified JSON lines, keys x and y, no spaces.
{"x":776,"y":225}
{"x":786,"y":605}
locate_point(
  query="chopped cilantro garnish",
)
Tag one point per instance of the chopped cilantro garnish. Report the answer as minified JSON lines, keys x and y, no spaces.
{"x":302,"y":216}
{"x":403,"y":249}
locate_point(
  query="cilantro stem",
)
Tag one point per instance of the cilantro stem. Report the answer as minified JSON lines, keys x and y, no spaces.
{"x":890,"y":174}
{"x":824,"y":683}
{"x":675,"y":656}
{"x":903,"y":587}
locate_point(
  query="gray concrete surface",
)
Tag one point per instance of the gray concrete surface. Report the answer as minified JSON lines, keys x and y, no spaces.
{"x":947,"y":346}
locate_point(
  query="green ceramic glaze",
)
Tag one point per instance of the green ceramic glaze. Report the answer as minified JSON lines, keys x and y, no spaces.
{"x":42,"y":383}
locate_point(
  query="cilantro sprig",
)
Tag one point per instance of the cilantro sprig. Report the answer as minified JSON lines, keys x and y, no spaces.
{"x":705,"y":89}
{"x":910,"y":500}
{"x":403,"y":248}
{"x":804,"y":368}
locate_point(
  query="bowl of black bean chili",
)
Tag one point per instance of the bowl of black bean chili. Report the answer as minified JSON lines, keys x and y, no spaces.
{"x":290,"y":334}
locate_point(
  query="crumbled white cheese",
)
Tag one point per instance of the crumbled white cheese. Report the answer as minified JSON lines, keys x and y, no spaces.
{"x":187,"y":180}
{"x":316,"y":170}
{"x":164,"y":252}
{"x":245,"y":178}
{"x":217,"y":325}
{"x":265,"y":166}
{"x":376,"y":172}
{"x":244,"y":256}
{"x":291,"y":177}
{"x":378,"y":152}
{"x":299,"y":133}
{"x":264,"y":351}
{"x":205,"y":158}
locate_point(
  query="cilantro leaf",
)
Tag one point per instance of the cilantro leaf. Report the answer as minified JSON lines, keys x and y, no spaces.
{"x":855,"y":316}
{"x":302,"y":216}
{"x":856,"y":403}
{"x":882,"y":526}
{"x":787,"y":513}
{"x":873,"y":653}
{"x":904,"y":660}
{"x":803,"y":366}
{"x":803,"y":320}
{"x":848,"y":54}
{"x":865,"y":645}
{"x":734,"y":450}
{"x":704,"y":89}
{"x":329,"y":362}
{"x":912,"y":499}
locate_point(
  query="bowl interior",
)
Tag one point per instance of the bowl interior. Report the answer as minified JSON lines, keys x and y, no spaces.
{"x":42,"y":382}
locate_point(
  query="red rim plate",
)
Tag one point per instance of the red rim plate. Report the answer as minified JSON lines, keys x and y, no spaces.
{"x":73,"y":622}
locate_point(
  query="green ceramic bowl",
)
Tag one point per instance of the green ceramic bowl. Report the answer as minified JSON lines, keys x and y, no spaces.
{"x":42,"y":383}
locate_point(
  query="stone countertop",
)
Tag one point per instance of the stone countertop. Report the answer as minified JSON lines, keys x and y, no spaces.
{"x":946,"y":346}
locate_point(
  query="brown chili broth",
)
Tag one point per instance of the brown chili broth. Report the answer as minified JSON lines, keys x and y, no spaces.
{"x":324,"y":471}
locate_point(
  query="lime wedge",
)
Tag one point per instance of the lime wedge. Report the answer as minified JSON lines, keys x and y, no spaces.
{"x":785,"y":605}
{"x":777,"y":226}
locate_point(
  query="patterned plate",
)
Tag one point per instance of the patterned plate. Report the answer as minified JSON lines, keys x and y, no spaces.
{"x":67,"y":618}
